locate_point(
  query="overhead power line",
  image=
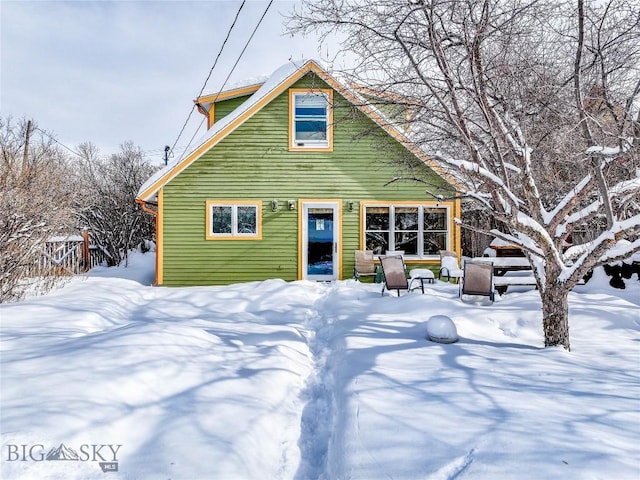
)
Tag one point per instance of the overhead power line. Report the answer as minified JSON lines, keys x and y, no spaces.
{"x":104,"y":156}
{"x":244,"y":49}
{"x":57,"y":141}
{"x":193,"y":107}
{"x":231,"y":72}
{"x":204,"y":85}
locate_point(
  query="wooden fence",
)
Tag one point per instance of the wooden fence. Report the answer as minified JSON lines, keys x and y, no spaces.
{"x":69,"y":255}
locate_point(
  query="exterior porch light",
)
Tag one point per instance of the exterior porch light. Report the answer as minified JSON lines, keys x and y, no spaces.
{"x":350,"y":205}
{"x":292,"y":204}
{"x":274,"y":205}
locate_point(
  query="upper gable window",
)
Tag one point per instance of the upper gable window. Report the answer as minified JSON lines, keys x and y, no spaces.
{"x":310,"y":120}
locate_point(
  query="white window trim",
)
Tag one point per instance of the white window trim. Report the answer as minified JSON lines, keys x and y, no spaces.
{"x":234,"y":235}
{"x":392,"y":230}
{"x":310,"y":145}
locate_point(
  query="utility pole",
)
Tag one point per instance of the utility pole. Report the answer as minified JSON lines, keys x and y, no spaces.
{"x":25,"y":156}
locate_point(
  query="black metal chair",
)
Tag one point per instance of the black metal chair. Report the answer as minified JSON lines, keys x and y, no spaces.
{"x":394,"y":272}
{"x":477,"y":280}
{"x":365,"y":264}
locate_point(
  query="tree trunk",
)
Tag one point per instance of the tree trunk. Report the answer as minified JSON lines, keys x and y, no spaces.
{"x":555,"y":316}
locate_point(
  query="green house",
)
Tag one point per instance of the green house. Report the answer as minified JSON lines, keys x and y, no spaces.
{"x":294,"y":175}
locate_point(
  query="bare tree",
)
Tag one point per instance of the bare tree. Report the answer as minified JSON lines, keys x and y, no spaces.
{"x":36,"y":188}
{"x":107,"y":204}
{"x":531,"y":105}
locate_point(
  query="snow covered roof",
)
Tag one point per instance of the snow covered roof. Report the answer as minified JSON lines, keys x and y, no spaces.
{"x":241,"y":90}
{"x":277,"y":83}
{"x":257,"y":80}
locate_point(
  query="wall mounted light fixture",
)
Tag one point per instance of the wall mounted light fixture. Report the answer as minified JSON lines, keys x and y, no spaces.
{"x":292,"y":205}
{"x":274,"y":205}
{"x":350,"y":205}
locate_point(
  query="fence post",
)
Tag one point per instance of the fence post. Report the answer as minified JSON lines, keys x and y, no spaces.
{"x":85,"y":249}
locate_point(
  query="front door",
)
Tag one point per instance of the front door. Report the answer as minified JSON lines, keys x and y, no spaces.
{"x":320,"y":241}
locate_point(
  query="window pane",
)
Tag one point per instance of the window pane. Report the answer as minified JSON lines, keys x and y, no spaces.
{"x":434,"y":242}
{"x":311,"y":130}
{"x":311,"y":112}
{"x":221,"y":219}
{"x":310,"y":117}
{"x":311,"y":101}
{"x":407,"y":241}
{"x":247,"y":219}
{"x":406,"y":219}
{"x":377,"y":241}
{"x":377,"y":218}
{"x":435,"y":219}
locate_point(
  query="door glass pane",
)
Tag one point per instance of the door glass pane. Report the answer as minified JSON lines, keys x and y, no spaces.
{"x":320,"y":241}
{"x":221,"y":219}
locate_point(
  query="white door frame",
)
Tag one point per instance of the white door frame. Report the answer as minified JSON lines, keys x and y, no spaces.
{"x":335,"y":205}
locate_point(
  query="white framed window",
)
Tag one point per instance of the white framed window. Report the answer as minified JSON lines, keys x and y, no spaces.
{"x":233,"y":220}
{"x":421,"y":231}
{"x":311,"y":116}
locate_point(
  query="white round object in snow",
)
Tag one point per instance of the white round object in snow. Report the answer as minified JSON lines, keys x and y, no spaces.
{"x":441,"y":329}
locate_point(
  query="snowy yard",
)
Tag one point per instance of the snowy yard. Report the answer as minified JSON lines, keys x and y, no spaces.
{"x":276,"y":380}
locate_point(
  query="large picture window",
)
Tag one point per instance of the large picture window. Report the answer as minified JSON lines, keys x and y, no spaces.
{"x":310,"y":113}
{"x":418,"y":230}
{"x":233,"y":220}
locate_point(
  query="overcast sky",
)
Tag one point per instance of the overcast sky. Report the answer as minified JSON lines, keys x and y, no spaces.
{"x":111,"y":71}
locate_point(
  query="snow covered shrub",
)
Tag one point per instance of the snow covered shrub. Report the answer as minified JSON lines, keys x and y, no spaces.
{"x":108,"y":207}
{"x":36,"y":189}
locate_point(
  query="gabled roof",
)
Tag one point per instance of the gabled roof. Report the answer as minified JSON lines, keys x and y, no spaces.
{"x":277,"y":83}
{"x":235,"y":92}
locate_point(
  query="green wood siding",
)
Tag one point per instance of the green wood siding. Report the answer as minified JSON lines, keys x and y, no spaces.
{"x":253,"y":163}
{"x":225,"y":107}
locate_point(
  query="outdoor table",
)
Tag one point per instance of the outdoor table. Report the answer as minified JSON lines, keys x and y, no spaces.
{"x":422,"y":275}
{"x":502,"y":265}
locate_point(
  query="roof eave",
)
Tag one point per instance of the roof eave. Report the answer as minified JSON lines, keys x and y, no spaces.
{"x":152,"y":190}
{"x":309,"y":66}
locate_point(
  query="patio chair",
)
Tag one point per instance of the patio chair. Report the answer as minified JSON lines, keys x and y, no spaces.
{"x":395,"y":253}
{"x":365,"y":265}
{"x":394,"y":273}
{"x":477,"y":279}
{"x":449,"y":266}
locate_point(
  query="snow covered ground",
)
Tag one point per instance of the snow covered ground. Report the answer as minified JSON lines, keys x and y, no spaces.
{"x":276,"y":380}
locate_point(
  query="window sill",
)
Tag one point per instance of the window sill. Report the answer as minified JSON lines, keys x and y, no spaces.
{"x":416,"y":258}
{"x":233,"y":237}
{"x":311,"y":148}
